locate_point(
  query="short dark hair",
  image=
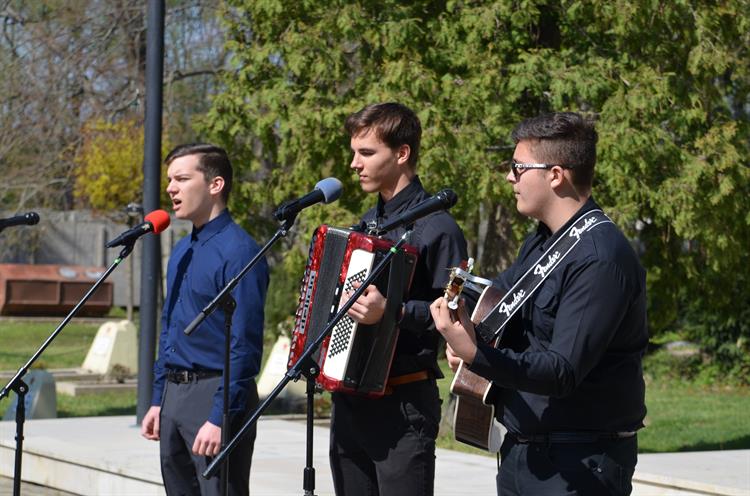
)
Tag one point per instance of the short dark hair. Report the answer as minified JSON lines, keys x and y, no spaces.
{"x":213,"y":161}
{"x":562,"y":138}
{"x":394,"y":124}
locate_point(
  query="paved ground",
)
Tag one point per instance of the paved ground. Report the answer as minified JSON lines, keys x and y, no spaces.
{"x":107,"y":456}
{"x":6,"y":487}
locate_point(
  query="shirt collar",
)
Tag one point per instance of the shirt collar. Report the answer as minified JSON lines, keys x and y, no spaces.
{"x":546,"y":233}
{"x":212,"y":227}
{"x":386,"y":209}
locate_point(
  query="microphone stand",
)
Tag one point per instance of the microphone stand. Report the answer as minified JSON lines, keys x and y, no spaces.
{"x":227,"y":303}
{"x":208,"y":310}
{"x":17,"y":384}
{"x":306,"y":366}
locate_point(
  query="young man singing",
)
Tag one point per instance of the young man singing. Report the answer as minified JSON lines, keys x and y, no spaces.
{"x":187,"y":398}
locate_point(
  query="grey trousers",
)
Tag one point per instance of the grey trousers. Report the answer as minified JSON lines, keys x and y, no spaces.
{"x":184,"y":410}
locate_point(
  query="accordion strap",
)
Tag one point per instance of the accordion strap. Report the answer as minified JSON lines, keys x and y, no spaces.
{"x":493,"y":323}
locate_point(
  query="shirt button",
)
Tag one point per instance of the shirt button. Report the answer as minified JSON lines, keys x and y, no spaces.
{"x":172,"y":350}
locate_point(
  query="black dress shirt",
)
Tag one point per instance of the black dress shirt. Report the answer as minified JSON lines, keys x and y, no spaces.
{"x":570,"y":359}
{"x":441,"y":245}
{"x":200,"y":266}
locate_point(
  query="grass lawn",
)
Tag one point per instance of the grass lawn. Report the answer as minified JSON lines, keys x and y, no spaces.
{"x":684,"y":417}
{"x":20,"y":339}
{"x":681,"y":417}
{"x":99,"y":405}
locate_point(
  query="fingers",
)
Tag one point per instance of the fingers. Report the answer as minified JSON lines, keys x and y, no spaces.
{"x":357,"y":311}
{"x":208,"y":440}
{"x":150,"y":424}
{"x":155,"y":432}
{"x":369,"y":307}
{"x":370,"y":294}
{"x":441,"y":315}
{"x":463,"y":316}
{"x":205,"y":447}
{"x":453,"y":360}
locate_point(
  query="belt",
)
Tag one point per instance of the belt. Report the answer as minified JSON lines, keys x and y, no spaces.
{"x":186,"y":376}
{"x":570,"y":437}
{"x":400,"y":380}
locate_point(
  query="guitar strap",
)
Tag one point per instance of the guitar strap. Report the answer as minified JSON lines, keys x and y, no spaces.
{"x":494,"y":322}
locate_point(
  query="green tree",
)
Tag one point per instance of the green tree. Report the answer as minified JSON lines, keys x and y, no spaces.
{"x":667,"y":81}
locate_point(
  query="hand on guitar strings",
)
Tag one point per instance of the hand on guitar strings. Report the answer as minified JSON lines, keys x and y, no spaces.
{"x":369,"y":307}
{"x":457,"y":329}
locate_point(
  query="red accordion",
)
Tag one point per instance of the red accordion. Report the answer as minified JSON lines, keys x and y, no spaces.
{"x":355,"y":358}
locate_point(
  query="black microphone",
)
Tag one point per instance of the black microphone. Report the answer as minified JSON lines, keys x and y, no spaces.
{"x":442,"y":200}
{"x":327,"y":190}
{"x":28,"y":219}
{"x":155,"y":222}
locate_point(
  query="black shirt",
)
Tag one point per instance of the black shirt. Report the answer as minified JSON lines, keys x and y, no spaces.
{"x":441,"y":245}
{"x":570,"y":359}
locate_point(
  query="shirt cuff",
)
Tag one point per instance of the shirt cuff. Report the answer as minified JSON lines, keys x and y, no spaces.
{"x":416,"y":316}
{"x":156,"y":396}
{"x":216,"y":417}
{"x":482,"y":364}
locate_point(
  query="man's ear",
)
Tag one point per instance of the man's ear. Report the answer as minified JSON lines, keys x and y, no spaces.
{"x":216,"y":185}
{"x":403,"y":154}
{"x":557,"y":177}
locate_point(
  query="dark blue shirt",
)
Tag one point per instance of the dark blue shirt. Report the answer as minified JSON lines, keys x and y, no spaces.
{"x":570,"y":359}
{"x":200,"y":266}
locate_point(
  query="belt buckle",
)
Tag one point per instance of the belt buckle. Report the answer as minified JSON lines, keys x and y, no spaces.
{"x":180,"y":376}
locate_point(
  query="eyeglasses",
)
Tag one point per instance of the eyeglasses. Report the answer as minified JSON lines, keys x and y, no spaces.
{"x":516,"y":167}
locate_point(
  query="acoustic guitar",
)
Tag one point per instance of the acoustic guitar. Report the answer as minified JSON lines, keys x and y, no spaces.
{"x":474,"y":417}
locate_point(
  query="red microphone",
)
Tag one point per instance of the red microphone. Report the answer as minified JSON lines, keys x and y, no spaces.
{"x":155,"y":222}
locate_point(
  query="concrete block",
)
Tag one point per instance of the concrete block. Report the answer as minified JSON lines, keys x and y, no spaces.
{"x":41,"y":400}
{"x":292,"y":397}
{"x":114,"y":350}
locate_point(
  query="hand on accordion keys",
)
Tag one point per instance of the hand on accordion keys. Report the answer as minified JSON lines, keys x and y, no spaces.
{"x":370,"y":306}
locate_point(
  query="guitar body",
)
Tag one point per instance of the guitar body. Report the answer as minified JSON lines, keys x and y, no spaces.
{"x":474,"y":419}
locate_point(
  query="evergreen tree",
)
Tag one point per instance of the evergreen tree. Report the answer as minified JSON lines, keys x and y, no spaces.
{"x":667,"y":81}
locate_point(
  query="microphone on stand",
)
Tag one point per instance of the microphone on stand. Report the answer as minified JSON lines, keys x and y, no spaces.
{"x":28,"y":219}
{"x":442,"y":200}
{"x":155,"y":222}
{"x":327,"y":190}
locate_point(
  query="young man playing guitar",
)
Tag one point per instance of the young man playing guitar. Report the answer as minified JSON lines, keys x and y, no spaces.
{"x":570,"y":386}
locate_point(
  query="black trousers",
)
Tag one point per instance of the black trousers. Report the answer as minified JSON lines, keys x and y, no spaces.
{"x":184,"y":410}
{"x":581,"y":469}
{"x":386,"y":446}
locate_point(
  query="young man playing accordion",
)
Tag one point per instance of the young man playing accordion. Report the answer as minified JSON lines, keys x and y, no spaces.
{"x":386,"y":445}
